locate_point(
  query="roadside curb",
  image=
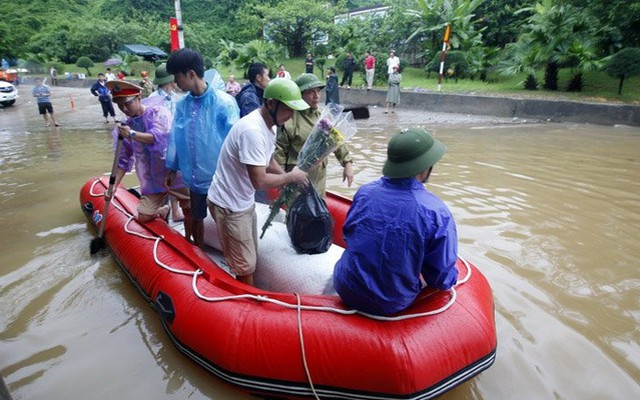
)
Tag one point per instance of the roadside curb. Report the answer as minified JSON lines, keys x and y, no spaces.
{"x":542,"y":109}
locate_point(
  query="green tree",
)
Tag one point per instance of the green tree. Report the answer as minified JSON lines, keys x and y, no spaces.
{"x":86,"y":63}
{"x":554,"y":35}
{"x":624,"y":64}
{"x":259,"y":51}
{"x":293,"y":24}
{"x":459,"y":14}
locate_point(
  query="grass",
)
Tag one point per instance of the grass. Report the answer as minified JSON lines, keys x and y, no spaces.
{"x":597,"y":87}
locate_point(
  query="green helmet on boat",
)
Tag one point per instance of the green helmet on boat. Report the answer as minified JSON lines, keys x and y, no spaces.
{"x":287,"y":92}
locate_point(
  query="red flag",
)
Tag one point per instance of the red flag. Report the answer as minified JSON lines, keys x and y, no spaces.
{"x":175,"y":41}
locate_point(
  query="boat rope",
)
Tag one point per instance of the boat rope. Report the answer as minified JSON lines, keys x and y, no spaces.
{"x":262,"y":298}
{"x":304,"y":353}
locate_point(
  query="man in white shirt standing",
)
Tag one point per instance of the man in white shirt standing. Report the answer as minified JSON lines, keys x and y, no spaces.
{"x":109,"y":76}
{"x":246,"y":164}
{"x":392,"y":61}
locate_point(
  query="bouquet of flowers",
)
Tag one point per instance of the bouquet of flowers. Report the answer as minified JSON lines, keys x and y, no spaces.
{"x":332,"y":130}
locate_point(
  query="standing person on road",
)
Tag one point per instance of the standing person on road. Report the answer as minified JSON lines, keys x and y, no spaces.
{"x":308,"y":64}
{"x":100,"y":90}
{"x":370,"y":69}
{"x":392,"y":61}
{"x":54,"y":76}
{"x":41,"y":93}
{"x":332,"y":89}
{"x":393,"y":94}
{"x":398,"y":233}
{"x":348,"y":65}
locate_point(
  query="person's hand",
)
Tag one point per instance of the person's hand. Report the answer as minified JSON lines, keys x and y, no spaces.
{"x":124,"y":131}
{"x":347,"y":173}
{"x":299,"y":176}
{"x":107,"y":195}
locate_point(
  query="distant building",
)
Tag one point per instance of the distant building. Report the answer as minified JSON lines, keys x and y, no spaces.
{"x":362,"y":12}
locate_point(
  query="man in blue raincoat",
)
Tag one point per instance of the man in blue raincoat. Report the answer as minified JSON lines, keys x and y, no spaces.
{"x":399,"y":235}
{"x":201,"y":122}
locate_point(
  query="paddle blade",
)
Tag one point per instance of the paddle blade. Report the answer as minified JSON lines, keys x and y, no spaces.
{"x":96,"y":245}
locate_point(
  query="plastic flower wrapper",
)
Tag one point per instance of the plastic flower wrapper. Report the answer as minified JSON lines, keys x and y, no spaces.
{"x":332,"y":130}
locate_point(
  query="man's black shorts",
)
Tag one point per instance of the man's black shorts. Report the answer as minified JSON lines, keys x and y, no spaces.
{"x":44,"y":107}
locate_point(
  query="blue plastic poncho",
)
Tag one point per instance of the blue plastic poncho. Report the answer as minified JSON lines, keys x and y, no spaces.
{"x":200,"y":125}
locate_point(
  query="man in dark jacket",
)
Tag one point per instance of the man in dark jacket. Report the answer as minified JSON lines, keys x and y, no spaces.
{"x":348,"y":65}
{"x":250,"y":97}
{"x":100,"y":90}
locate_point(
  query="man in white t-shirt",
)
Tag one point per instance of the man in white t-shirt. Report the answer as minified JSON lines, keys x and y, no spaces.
{"x":246,"y":164}
{"x":392,"y":61}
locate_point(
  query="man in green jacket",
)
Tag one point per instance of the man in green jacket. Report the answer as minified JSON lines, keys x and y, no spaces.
{"x":295,"y":132}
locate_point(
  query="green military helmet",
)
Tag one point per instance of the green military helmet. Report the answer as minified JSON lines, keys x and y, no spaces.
{"x":308,"y":81}
{"x":162,"y":76}
{"x":287,"y":92}
{"x":410,"y":152}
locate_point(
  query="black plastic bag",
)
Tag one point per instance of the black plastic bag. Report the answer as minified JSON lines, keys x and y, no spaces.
{"x":309,"y":223}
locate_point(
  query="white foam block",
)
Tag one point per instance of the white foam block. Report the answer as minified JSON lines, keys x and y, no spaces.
{"x":279,"y":267}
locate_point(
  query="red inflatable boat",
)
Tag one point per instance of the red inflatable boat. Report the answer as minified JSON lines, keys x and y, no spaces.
{"x":287,"y":345}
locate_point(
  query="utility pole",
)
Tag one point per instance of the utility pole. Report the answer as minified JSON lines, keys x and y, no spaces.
{"x":180,"y":29}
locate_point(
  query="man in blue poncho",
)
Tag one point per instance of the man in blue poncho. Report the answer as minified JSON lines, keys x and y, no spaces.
{"x":398,"y":233}
{"x":201,"y":122}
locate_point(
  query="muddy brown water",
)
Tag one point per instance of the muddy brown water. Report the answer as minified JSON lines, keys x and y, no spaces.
{"x":549,"y":212}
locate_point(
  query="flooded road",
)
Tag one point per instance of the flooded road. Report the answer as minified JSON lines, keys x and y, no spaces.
{"x":549,"y":212}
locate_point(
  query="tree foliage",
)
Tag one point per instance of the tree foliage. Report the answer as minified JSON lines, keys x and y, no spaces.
{"x":86,"y":63}
{"x":293,"y":24}
{"x":624,"y":64}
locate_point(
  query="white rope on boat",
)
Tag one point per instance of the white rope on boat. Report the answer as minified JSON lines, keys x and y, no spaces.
{"x":261,"y":298}
{"x":304,"y":353}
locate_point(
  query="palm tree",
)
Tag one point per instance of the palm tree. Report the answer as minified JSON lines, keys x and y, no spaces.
{"x":434,"y":15}
{"x":559,"y":34}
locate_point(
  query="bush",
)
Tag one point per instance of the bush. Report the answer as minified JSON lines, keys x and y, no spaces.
{"x":455,"y":61}
{"x":86,"y":63}
{"x":624,"y":64}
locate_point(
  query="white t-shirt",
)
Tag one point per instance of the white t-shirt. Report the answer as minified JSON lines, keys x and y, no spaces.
{"x":249,"y":142}
{"x":109,"y":76}
{"x":391,"y":62}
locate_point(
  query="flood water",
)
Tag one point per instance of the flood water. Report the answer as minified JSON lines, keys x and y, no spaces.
{"x":550,"y":213}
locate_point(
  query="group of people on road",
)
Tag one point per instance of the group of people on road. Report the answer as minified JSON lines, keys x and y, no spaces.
{"x":215,"y":151}
{"x":349,"y":65}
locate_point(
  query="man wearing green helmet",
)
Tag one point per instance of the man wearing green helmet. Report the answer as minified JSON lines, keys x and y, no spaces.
{"x":398,"y":233}
{"x":246,"y":164}
{"x":294,"y":133}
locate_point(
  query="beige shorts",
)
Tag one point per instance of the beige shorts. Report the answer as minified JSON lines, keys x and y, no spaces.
{"x":149,"y":204}
{"x":238,"y":233}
